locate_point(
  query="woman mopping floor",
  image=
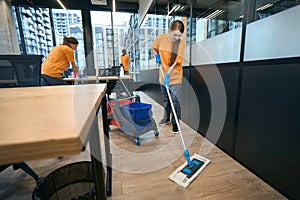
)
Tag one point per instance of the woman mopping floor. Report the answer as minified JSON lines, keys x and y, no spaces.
{"x":169,"y":49}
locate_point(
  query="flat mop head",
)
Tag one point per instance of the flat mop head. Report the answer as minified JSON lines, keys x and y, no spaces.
{"x":185,"y":174}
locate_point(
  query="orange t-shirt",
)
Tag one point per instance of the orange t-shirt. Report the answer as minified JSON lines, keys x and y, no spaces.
{"x":57,"y":61}
{"x":164,"y":47}
{"x":124,"y":61}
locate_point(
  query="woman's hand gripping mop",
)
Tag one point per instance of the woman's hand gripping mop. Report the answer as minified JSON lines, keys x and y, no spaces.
{"x":193,"y":166}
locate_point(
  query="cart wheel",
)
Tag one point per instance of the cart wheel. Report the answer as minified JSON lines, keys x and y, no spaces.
{"x":156,"y":133}
{"x":138,"y":141}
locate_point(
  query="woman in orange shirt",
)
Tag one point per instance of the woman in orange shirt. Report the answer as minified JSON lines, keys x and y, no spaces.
{"x":125,"y":61}
{"x":169,"y":50}
{"x":58,"y":61}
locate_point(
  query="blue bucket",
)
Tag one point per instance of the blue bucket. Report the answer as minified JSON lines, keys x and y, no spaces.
{"x":139,"y":112}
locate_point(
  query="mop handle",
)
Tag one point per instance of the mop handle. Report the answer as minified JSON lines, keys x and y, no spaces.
{"x":173,"y":109}
{"x":123,"y":84}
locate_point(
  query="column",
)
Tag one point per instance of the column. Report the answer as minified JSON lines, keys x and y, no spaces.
{"x":88,"y":42}
{"x":8,"y":34}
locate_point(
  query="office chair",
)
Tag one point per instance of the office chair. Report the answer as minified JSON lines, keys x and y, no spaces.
{"x":7,"y":74}
{"x":20,"y":71}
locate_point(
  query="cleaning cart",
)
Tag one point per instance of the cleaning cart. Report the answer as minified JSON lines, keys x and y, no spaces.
{"x":132,"y":117}
{"x":126,"y":111}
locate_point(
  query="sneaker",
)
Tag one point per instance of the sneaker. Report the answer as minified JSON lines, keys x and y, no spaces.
{"x":175,"y":128}
{"x":164,"y":122}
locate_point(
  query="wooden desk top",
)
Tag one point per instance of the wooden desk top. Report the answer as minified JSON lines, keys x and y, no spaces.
{"x":101,"y":78}
{"x":44,"y":122}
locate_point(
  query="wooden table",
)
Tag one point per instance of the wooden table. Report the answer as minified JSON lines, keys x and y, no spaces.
{"x":45,"y":122}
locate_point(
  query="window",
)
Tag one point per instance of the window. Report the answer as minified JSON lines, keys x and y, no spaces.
{"x":35,"y":24}
{"x":70,"y":24}
{"x":109,"y":39}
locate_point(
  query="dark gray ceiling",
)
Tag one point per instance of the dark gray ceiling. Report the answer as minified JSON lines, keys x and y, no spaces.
{"x":160,"y":7}
{"x":126,"y":6}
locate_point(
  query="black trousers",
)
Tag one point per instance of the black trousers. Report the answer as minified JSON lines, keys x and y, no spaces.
{"x":49,"y":80}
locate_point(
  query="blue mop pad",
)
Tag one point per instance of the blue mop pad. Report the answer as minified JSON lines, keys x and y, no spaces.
{"x":186,"y":173}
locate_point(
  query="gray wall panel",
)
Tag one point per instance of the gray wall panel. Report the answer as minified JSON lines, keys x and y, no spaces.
{"x":268,"y":129}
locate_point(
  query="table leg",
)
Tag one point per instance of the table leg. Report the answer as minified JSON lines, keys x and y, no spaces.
{"x":96,"y":159}
{"x":107,"y":147}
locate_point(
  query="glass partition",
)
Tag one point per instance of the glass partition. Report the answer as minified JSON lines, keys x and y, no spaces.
{"x":213,"y":29}
{"x":216,"y":32}
{"x":275,"y":33}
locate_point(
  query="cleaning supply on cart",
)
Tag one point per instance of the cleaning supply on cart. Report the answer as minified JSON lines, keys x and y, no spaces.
{"x":122,"y":71}
{"x":188,"y":171}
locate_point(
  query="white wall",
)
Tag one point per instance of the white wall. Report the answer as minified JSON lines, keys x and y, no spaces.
{"x":277,"y":36}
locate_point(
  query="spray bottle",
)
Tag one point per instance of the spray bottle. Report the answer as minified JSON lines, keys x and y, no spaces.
{"x":121,"y":71}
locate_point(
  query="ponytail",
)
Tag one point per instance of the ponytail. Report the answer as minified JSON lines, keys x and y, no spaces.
{"x":69,"y":40}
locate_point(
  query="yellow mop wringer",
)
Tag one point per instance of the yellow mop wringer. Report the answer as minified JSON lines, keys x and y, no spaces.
{"x":194,"y":165}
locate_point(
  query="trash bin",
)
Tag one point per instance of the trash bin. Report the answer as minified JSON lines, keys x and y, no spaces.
{"x":74,"y":181}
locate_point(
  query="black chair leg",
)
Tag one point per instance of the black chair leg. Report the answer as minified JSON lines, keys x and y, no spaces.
{"x":27,"y":169}
{"x":3,"y":167}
